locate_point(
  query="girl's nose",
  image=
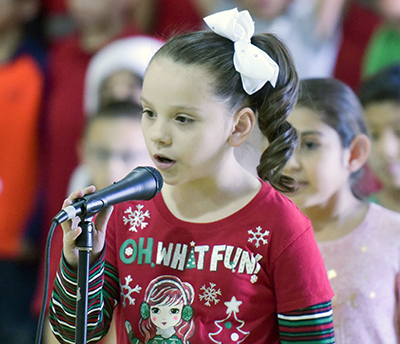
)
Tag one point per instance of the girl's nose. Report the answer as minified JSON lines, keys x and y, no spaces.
{"x":160,"y":133}
{"x":293,"y":164}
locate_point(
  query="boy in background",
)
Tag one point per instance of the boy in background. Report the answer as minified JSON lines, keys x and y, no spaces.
{"x":112,"y":146}
{"x":380,"y":98}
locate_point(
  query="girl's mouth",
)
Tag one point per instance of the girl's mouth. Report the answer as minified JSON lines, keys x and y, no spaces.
{"x":163,"y":162}
{"x":163,"y":159}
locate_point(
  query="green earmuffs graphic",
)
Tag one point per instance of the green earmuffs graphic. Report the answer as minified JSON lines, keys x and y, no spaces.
{"x":187,"y":310}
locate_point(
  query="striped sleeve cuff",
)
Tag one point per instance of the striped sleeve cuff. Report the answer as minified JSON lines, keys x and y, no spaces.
{"x":308,"y":325}
{"x":63,"y":300}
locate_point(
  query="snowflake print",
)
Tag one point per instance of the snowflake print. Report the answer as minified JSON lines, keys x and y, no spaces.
{"x":258,"y":236}
{"x":126,"y":291}
{"x":136,"y":218}
{"x":210,"y":294}
{"x":129,"y":251}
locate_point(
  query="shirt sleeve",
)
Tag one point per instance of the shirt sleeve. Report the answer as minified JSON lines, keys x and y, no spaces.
{"x":299,"y":275}
{"x":101,"y":301}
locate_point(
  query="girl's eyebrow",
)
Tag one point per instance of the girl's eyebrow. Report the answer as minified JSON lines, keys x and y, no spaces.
{"x":143,"y":99}
{"x":180,"y":107}
{"x":311,"y":132}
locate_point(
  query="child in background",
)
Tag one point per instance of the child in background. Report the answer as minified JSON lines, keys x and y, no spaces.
{"x":113,"y":144}
{"x":98,"y":23}
{"x":352,"y":235}
{"x":111,"y":147}
{"x":380,"y":98}
{"x":202,"y":94}
{"x":116,"y":72}
{"x":23,"y":63}
{"x":126,"y":56}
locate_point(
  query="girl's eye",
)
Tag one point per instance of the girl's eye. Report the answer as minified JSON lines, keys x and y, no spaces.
{"x":310,"y":145}
{"x":183,"y":119}
{"x":174,"y":310}
{"x":148,"y":113}
{"x":155,"y":310}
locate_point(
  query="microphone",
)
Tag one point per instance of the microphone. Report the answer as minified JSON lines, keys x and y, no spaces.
{"x":143,"y":183}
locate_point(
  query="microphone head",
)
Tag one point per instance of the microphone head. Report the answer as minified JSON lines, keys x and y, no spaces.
{"x":158,"y":178}
{"x":143,"y":183}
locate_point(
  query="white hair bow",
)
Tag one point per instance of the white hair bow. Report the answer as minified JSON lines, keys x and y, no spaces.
{"x":255,"y":66}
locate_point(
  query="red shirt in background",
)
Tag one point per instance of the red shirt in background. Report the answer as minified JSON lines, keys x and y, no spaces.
{"x":54,"y":7}
{"x":358,"y":27}
{"x":176,"y":16}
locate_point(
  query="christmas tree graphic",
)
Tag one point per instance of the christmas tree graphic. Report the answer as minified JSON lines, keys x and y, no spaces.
{"x":229,"y":329}
{"x":191,"y":263}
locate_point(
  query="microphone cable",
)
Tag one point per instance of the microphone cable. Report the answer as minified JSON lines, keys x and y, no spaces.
{"x":39,"y":330}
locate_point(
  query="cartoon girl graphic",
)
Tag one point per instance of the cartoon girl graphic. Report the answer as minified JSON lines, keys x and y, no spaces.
{"x":166,"y":313}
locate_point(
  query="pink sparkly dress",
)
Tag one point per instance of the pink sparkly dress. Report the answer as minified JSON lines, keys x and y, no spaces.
{"x":364,"y":270}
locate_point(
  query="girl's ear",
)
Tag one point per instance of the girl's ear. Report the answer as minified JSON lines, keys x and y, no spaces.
{"x":244,"y":122}
{"x":359,"y":152}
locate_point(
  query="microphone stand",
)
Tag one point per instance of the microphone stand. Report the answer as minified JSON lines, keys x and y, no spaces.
{"x":84,"y":244}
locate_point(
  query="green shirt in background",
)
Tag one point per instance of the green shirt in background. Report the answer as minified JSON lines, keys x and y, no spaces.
{"x":383,"y":50}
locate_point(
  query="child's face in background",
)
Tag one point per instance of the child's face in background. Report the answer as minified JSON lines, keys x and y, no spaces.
{"x":265,"y":9}
{"x":112,"y":148}
{"x":383,"y":120}
{"x":318,"y":165}
{"x":186,"y":129}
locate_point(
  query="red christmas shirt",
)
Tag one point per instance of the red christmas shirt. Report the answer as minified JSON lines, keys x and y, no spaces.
{"x":243,"y":269}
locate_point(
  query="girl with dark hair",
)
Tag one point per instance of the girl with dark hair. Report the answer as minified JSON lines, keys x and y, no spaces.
{"x":244,"y":250}
{"x":351,"y":234}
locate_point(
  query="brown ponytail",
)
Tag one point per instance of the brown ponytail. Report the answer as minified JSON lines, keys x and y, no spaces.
{"x":273,"y":106}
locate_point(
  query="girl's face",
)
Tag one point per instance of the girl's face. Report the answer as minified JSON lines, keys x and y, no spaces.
{"x":184,"y":126}
{"x":383,"y":121}
{"x":165,"y":316}
{"x":319,"y":164}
